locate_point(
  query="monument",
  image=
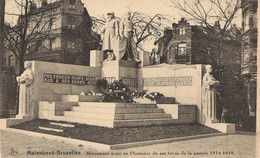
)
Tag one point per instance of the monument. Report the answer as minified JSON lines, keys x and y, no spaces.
{"x":127,"y":44}
{"x":52,"y":90}
{"x":118,"y":40}
{"x":25,"y":81}
{"x":209,"y":96}
{"x":110,"y":37}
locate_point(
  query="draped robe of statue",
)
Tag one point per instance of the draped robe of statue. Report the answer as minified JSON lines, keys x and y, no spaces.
{"x":25,"y":92}
{"x":127,"y":45}
{"x":209,"y":98}
{"x":111,"y":36}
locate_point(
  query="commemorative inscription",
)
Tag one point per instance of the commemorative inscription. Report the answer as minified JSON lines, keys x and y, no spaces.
{"x":129,"y":81}
{"x":168,"y":81}
{"x":68,"y":79}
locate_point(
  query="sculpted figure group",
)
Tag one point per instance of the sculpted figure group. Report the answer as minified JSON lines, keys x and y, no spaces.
{"x":118,"y":40}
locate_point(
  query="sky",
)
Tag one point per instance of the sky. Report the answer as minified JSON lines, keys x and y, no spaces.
{"x":119,"y":7}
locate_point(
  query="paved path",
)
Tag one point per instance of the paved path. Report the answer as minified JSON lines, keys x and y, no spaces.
{"x":16,"y":145}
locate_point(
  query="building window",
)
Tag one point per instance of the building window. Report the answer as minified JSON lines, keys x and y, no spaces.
{"x":52,"y":41}
{"x":4,"y":62}
{"x":181,"y":54}
{"x":38,"y":45}
{"x":70,"y":45}
{"x":182,"y":49}
{"x":10,"y":60}
{"x":72,"y":3}
{"x":52,"y":24}
{"x":246,"y":20}
{"x":71,"y":21}
{"x":182,"y":31}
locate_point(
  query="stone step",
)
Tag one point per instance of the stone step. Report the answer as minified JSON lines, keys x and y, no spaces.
{"x":80,"y":98}
{"x":100,"y":105}
{"x":70,"y":98}
{"x":94,"y":122}
{"x":117,"y":123}
{"x":138,"y":110}
{"x":118,"y":110}
{"x":83,"y":115}
{"x":60,"y":107}
{"x":141,"y":116}
{"x":166,"y":100}
{"x":141,"y":106}
{"x":86,"y":98}
{"x":146,"y":122}
{"x":117,"y":105}
{"x":98,"y":116}
{"x":50,"y":129}
{"x":62,"y":124}
{"x":86,"y":110}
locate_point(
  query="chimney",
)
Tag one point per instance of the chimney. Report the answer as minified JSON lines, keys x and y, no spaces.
{"x":174,"y":25}
{"x":32,"y":6}
{"x":217,"y":25}
{"x":167,"y":31}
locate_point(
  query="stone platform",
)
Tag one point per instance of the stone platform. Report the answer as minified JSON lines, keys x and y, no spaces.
{"x":74,"y":109}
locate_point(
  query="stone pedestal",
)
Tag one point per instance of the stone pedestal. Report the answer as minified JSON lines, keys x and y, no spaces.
{"x":95,"y":58}
{"x":228,"y":128}
{"x":144,"y":57}
{"x":121,"y":69}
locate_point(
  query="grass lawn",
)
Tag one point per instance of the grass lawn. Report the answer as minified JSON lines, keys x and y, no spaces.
{"x":120,"y":135}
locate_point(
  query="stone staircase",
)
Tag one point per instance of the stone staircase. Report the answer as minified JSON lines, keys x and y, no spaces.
{"x":72,"y":109}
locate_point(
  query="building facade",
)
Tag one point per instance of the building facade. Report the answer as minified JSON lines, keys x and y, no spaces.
{"x":191,"y":44}
{"x":62,"y":31}
{"x":56,"y":32}
{"x":249,"y":51}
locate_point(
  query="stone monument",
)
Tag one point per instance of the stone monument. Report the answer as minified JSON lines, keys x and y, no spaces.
{"x":118,"y":40}
{"x":25,"y":93}
{"x":111,"y":35}
{"x":127,"y":44}
{"x":209,"y":96}
{"x":122,"y":62}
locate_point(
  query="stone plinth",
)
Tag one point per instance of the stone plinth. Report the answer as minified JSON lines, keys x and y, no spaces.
{"x":121,"y":69}
{"x":96,"y":57}
{"x":228,"y":128}
{"x":120,"y":114}
{"x":145,"y":58}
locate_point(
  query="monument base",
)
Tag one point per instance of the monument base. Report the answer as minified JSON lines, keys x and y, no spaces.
{"x":22,"y":117}
{"x":212,"y":121}
{"x":5,"y":123}
{"x":228,"y":128}
{"x":124,"y":70}
{"x":114,"y":114}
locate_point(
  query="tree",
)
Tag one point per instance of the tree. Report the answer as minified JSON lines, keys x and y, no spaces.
{"x":32,"y":28}
{"x":89,"y":40}
{"x":145,"y":27}
{"x":2,"y":15}
{"x":215,"y":15}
